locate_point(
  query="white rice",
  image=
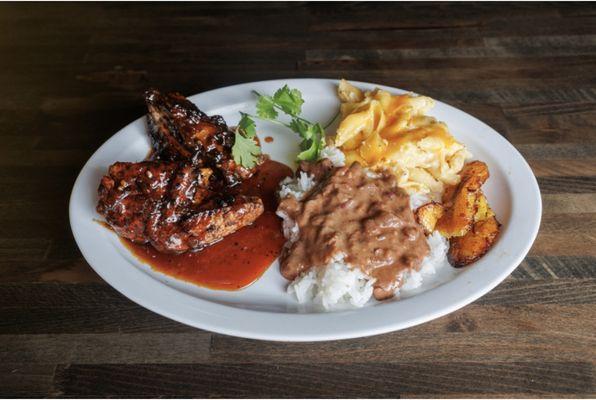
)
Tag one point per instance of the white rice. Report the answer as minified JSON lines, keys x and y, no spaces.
{"x":289,"y":227}
{"x":417,"y":200}
{"x":334,"y":154}
{"x":297,"y":186}
{"x":339,"y":285}
{"x":436,"y":259}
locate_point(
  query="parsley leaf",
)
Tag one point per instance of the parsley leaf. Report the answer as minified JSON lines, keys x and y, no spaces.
{"x":245,"y":150}
{"x":289,"y":100}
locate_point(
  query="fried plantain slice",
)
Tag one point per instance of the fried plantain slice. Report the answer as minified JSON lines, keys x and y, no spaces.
{"x":461,"y":202}
{"x":457,"y":219}
{"x":449,"y":194}
{"x":466,"y":249}
{"x":483,"y":210}
{"x":474,"y":174}
{"x":428,"y":215}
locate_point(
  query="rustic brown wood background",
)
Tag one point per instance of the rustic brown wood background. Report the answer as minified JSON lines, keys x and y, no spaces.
{"x":72,"y":74}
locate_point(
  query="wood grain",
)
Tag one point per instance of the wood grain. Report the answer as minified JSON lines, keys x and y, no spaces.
{"x":328,"y":380}
{"x":72,"y":75}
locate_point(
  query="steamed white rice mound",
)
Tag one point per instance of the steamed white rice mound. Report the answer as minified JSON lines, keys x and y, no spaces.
{"x":339,"y":285}
{"x":336,"y":285}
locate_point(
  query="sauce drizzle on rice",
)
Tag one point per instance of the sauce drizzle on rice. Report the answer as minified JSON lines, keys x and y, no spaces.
{"x":366,"y":219}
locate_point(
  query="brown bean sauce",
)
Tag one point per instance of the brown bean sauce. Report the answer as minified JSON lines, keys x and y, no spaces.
{"x":367,"y":219}
{"x":238,"y":259}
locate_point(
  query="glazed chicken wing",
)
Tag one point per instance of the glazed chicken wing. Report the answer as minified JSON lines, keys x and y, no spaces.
{"x":185,"y":197}
{"x":180,"y":131}
{"x":130,"y":192}
{"x":171,"y":205}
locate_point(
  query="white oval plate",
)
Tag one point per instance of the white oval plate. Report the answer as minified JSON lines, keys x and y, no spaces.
{"x":264,"y":310}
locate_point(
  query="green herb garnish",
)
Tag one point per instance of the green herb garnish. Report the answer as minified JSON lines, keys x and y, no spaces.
{"x":246,"y":151}
{"x":288,"y":101}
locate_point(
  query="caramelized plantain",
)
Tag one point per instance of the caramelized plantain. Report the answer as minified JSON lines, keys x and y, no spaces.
{"x":464,"y":217}
{"x":483,"y":210}
{"x":428,"y":215}
{"x":474,"y":174}
{"x":449,"y":194}
{"x":457,"y":219}
{"x":461,"y":201}
{"x":466,"y":249}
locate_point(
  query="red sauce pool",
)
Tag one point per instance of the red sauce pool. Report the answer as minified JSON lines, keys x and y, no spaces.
{"x":238,"y":259}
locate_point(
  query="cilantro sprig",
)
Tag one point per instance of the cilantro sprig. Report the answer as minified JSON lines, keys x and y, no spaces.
{"x":289,"y":102}
{"x":246,"y":151}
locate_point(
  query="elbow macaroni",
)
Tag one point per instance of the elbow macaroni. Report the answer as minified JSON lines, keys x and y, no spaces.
{"x":379,"y":130}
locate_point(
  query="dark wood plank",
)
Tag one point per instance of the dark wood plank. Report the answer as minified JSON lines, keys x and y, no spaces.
{"x":550,"y":267}
{"x":574,"y":244}
{"x":559,"y":151}
{"x":28,"y":379}
{"x":559,"y":168}
{"x":490,"y":333}
{"x":568,"y":184}
{"x":482,"y":328}
{"x":557,"y":291}
{"x":106,"y":349}
{"x":326,"y":380}
{"x":564,"y":223}
{"x":564,"y":203}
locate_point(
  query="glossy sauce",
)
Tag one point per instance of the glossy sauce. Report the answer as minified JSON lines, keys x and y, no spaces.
{"x":268,"y":139}
{"x":238,"y":259}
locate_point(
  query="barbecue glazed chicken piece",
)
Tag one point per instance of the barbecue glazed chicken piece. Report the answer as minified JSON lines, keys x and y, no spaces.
{"x":180,"y":131}
{"x":185,"y":197}
{"x":130,"y":192}
{"x":171,"y":205}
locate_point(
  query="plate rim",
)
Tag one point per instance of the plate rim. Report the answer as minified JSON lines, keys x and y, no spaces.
{"x":213,"y":322}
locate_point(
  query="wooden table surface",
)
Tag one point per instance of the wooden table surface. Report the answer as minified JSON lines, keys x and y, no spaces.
{"x":72,"y":75}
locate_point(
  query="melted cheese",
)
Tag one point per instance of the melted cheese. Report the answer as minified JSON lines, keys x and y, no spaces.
{"x":380,"y":130}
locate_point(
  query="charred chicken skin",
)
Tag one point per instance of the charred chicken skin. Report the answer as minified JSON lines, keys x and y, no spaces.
{"x":180,"y":132}
{"x":185,"y":197}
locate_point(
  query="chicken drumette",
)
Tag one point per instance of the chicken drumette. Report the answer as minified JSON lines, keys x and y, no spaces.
{"x":184,"y":198}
